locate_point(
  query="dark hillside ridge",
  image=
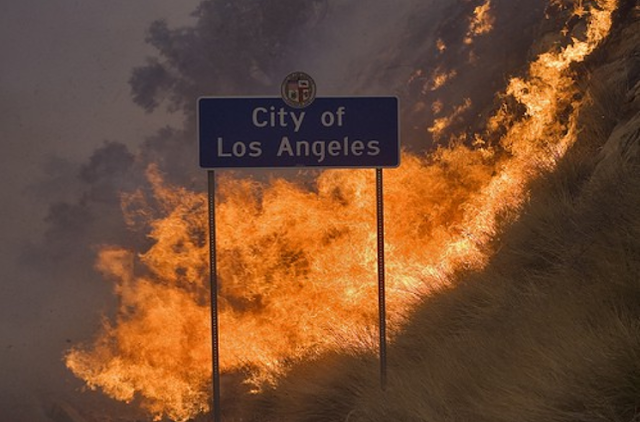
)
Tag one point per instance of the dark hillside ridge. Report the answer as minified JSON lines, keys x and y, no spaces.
{"x":550,"y":330}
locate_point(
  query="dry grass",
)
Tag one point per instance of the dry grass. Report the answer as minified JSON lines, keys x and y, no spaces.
{"x":550,"y":331}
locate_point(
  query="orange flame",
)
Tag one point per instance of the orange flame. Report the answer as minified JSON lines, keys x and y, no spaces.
{"x":441,"y":124}
{"x":297,"y":264}
{"x":438,"y":79}
{"x":481,"y":22}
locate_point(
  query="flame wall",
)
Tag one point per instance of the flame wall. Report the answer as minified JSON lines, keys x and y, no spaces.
{"x":297,"y":262}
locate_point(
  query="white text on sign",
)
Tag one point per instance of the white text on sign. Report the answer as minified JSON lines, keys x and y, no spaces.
{"x":263,"y":117}
{"x":319,"y":149}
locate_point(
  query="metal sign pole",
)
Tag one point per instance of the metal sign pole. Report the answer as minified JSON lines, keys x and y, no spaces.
{"x":382,"y":322}
{"x":213,"y":277}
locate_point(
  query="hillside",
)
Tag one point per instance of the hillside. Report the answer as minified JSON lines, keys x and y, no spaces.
{"x":549,"y":330}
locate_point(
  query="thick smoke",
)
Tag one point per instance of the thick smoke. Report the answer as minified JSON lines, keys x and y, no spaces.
{"x":57,"y":298}
{"x":244,"y":47}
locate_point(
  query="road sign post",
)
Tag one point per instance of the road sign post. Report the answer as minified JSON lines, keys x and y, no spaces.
{"x":213,"y":281}
{"x":297,"y":130}
{"x":382,"y":307}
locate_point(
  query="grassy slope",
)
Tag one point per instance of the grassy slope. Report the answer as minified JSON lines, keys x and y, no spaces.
{"x":550,"y":331}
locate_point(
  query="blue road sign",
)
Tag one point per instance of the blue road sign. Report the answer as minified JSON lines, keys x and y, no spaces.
{"x":266,"y":133}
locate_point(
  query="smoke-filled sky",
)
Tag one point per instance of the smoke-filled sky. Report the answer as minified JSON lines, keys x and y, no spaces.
{"x":63,"y":79}
{"x":64,"y":67}
{"x":72,"y":135}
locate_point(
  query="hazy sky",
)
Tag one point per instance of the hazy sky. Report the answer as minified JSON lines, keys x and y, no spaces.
{"x":64,"y":70}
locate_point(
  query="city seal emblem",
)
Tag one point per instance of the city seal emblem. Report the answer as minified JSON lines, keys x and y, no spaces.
{"x":298,"y":90}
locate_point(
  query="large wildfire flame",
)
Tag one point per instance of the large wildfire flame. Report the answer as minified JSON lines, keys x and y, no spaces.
{"x":298,"y":265}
